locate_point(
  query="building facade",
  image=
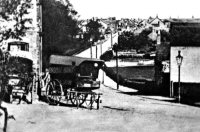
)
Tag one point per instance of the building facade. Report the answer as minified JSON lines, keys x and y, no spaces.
{"x":30,"y":45}
{"x":186,"y":39}
{"x":33,"y":38}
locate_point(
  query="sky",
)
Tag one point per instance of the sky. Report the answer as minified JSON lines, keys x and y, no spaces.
{"x":137,"y":8}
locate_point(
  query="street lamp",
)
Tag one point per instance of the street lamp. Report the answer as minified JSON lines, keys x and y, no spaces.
{"x":179,"y":60}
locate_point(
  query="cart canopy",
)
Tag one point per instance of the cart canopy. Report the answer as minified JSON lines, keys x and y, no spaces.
{"x":71,"y":60}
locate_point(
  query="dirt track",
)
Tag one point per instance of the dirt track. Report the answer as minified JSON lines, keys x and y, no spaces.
{"x":119,"y":112}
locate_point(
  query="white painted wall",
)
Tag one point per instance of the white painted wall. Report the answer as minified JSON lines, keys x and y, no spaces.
{"x":190,"y":68}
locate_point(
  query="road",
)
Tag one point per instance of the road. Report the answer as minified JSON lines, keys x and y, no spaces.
{"x":100,"y":48}
{"x":120,"y":111}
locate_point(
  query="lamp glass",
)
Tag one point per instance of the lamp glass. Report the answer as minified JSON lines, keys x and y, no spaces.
{"x":179,"y":60}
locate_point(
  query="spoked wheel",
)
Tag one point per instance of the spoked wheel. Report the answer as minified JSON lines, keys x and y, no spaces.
{"x":29,"y":94}
{"x":91,"y":101}
{"x":77,"y":99}
{"x":54,"y":92}
{"x":3,"y":118}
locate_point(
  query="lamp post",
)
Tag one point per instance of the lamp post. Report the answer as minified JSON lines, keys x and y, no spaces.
{"x":91,"y":41}
{"x":117,"y":67}
{"x":111,"y":38}
{"x":179,"y":60}
{"x":96,"y":50}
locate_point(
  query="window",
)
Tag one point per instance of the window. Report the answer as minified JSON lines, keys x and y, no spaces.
{"x":15,"y":46}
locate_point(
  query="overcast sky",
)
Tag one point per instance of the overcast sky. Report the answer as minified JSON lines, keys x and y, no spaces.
{"x":137,"y":8}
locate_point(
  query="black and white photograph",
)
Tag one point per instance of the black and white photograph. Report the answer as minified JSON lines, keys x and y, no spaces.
{"x":99,"y":66}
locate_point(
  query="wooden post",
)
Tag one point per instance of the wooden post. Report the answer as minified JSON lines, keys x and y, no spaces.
{"x":91,"y":102}
{"x":91,"y":50}
{"x":117,"y":70}
{"x":96,"y":51}
{"x":179,"y":84}
{"x":111,"y":39}
{"x":98,"y":101}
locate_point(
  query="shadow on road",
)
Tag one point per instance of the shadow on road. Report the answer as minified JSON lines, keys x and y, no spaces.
{"x":44,"y":99}
{"x":113,"y":108}
{"x":153,"y":96}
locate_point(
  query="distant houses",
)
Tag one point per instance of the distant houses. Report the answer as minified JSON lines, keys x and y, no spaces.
{"x":157,"y":25}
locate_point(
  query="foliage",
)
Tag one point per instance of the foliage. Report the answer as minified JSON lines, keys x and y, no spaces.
{"x":143,"y":42}
{"x":3,"y":72}
{"x":93,"y":32}
{"x":165,"y":36}
{"x":107,"y":56}
{"x":13,"y":14}
{"x":60,"y":27}
{"x":59,"y":23}
{"x":129,"y":41}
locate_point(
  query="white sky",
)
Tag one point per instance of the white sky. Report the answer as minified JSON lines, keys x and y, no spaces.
{"x":137,"y":8}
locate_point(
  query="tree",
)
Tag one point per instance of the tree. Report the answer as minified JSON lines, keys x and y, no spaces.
{"x":14,"y":18}
{"x":93,"y":27}
{"x":59,"y":22}
{"x":59,"y":27}
{"x":14,"y":24}
{"x":165,"y":36}
{"x":4,"y":58}
{"x":143,"y":42}
{"x":129,"y":41}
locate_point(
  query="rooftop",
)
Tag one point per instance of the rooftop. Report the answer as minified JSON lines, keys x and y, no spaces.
{"x":185,"y":32}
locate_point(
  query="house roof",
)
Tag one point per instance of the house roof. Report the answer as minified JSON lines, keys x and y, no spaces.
{"x":155,"y":20}
{"x":185,"y":20}
{"x":68,"y":60}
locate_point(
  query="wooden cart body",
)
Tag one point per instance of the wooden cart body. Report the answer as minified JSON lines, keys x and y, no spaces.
{"x":20,"y":77}
{"x":76,"y":72}
{"x":75,"y":78}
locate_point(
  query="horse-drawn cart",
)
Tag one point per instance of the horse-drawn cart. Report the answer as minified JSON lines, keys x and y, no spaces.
{"x":20,"y":79}
{"x":74,"y":79}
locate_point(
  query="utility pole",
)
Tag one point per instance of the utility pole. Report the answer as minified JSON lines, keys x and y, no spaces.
{"x":96,"y":51}
{"x":111,"y":38}
{"x":91,"y":40}
{"x":117,"y":69}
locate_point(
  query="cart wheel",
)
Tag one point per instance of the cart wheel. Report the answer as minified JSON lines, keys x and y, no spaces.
{"x":11,"y":98}
{"x":29,"y":94}
{"x":91,"y":101}
{"x":54,"y":92}
{"x":3,"y":119}
{"x":77,"y":98}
